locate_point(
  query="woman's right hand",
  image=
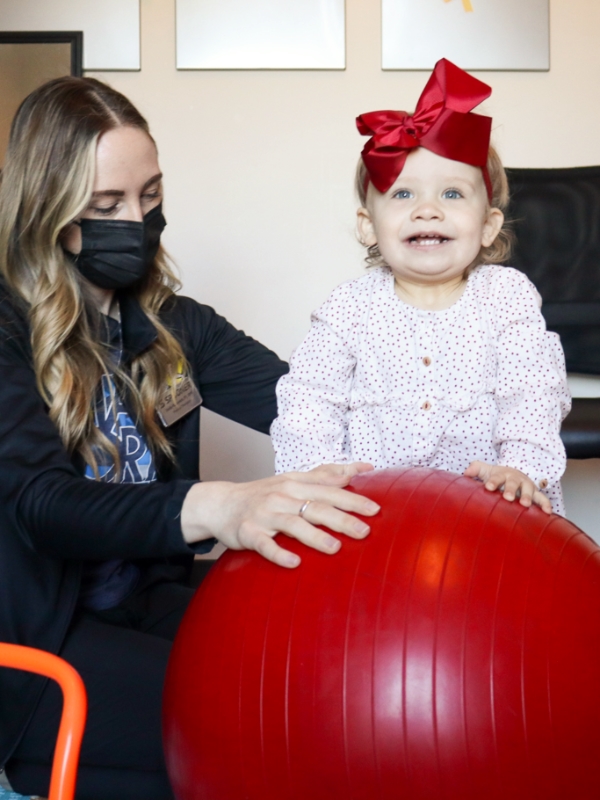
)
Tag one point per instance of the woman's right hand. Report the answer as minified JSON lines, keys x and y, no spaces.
{"x":246,"y":516}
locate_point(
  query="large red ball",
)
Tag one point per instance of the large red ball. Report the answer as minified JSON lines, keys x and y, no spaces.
{"x":454,"y":654}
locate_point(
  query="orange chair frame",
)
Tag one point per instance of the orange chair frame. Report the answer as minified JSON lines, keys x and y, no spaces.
{"x":72,"y":723}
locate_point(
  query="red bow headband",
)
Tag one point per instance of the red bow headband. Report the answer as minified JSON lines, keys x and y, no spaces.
{"x":442,"y":123}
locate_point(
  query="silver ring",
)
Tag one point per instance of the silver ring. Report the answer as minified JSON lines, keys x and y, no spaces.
{"x":304,"y":507}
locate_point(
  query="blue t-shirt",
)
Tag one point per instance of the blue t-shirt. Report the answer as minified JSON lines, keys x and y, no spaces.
{"x":106,"y":583}
{"x":112,"y":418}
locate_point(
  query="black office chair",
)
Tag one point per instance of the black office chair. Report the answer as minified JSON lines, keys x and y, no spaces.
{"x":556,"y":220}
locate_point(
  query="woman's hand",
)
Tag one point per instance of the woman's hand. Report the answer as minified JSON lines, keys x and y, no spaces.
{"x":246,"y":516}
{"x":510,"y":482}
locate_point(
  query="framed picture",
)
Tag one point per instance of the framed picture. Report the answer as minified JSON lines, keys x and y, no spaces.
{"x":474,"y":34}
{"x":111,"y":27}
{"x":260,"y":34}
{"x":28,"y":59}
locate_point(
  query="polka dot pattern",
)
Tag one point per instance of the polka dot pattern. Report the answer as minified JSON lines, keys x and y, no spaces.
{"x":381,"y":381}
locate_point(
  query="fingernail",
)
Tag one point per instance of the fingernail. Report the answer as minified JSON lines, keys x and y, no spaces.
{"x":372,"y":507}
{"x":332,"y":544}
{"x":490,"y":486}
{"x":361,"y":528}
{"x":509,"y":496}
{"x":292,"y":560}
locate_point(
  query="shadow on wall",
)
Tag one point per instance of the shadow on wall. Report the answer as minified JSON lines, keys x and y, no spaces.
{"x":232,"y":452}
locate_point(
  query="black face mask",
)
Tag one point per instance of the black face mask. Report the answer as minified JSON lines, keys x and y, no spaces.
{"x":117,"y":253}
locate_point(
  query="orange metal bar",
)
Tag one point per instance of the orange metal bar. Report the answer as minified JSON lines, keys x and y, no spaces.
{"x":72,"y":723}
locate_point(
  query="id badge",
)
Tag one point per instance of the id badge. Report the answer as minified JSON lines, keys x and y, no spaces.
{"x":175,"y":405}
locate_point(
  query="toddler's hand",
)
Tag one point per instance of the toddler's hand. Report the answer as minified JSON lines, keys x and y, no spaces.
{"x":510,"y":482}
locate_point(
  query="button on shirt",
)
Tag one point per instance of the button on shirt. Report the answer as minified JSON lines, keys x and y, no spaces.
{"x":381,"y":381}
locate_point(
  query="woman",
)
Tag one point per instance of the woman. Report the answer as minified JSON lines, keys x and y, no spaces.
{"x":102,"y":372}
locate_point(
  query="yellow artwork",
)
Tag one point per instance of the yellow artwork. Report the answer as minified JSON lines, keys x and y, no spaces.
{"x":466,"y":4}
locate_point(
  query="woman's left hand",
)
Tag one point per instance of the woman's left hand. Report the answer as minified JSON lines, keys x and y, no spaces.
{"x":511,"y":482}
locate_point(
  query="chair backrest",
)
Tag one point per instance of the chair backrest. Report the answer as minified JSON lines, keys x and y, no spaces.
{"x":556,"y":219}
{"x":72,"y":723}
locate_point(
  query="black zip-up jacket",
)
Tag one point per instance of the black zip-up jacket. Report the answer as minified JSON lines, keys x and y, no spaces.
{"x":52,"y":518}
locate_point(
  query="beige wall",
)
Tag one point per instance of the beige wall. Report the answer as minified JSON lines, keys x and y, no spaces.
{"x":259,"y":165}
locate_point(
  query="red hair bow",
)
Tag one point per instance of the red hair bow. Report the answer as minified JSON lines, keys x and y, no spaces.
{"x":442,"y":122}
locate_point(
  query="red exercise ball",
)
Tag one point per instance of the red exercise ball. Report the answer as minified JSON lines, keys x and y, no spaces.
{"x":454,"y":654}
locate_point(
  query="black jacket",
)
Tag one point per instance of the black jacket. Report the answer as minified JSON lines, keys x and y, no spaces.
{"x":52,"y":518}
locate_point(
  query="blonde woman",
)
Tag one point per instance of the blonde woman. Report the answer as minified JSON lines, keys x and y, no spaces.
{"x":101,"y":506}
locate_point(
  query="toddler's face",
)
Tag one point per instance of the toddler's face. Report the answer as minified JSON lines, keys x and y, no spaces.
{"x":433,"y":221}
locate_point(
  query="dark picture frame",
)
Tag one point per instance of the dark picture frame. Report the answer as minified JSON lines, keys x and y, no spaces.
{"x":27,"y":60}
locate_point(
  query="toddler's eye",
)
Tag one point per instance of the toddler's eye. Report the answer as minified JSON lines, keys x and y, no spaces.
{"x":403,"y":194}
{"x":452,"y":194}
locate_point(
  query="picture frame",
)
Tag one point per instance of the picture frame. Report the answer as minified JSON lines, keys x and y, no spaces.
{"x":474,"y":34}
{"x":261,"y":34}
{"x":27,"y":60}
{"x":111,"y":28}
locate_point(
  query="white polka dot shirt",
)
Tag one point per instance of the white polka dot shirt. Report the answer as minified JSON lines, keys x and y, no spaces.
{"x":381,"y":381}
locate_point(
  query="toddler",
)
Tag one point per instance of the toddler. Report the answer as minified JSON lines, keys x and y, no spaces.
{"x":438,"y":357}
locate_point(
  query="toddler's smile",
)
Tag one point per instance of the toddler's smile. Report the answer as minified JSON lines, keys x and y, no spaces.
{"x":427,"y":240}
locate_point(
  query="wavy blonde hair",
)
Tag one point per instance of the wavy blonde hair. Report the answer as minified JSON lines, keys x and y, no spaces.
{"x":496,"y":253}
{"x":46,"y":183}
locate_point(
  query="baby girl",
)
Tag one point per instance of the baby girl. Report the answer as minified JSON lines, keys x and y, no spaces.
{"x":439,"y":356}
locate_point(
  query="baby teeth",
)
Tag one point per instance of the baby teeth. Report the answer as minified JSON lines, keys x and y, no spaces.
{"x":427,"y":242}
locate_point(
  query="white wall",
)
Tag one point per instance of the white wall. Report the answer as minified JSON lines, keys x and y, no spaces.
{"x":259,"y":168}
